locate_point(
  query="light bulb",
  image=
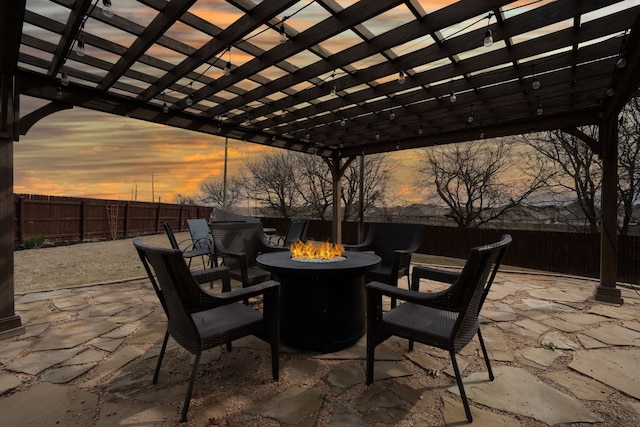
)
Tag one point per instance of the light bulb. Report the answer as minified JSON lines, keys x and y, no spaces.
{"x":420,"y":130}
{"x":540,"y":110}
{"x":64,"y":80}
{"x":402,"y":77}
{"x":488,"y":38}
{"x":227,"y":69}
{"x":307,"y":135}
{"x":621,"y":62}
{"x":392,"y":115}
{"x":165,"y":108}
{"x":80,"y":48}
{"x":453,"y":97}
{"x":334,"y":90}
{"x":470,"y":118}
{"x":284,"y":112}
{"x":283,"y":35}
{"x":343,"y":122}
{"x":535,"y":84}
{"x":59,"y":92}
{"x":611,"y":91}
{"x":377,"y":134}
{"x":189,"y":100}
{"x":219,"y":128}
{"x":107,"y":9}
{"x":481,"y":134}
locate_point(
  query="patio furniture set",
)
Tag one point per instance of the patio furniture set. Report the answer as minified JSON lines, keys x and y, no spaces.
{"x":316,"y":306}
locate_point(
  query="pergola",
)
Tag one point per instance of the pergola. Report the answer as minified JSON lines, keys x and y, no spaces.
{"x":335,"y":78}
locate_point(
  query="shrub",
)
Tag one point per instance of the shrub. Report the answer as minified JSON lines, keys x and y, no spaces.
{"x":32,"y":242}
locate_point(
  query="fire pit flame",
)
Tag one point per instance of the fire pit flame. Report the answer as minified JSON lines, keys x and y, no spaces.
{"x":316,"y":252}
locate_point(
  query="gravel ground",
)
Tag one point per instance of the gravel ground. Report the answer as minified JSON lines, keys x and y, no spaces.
{"x":82,"y":264}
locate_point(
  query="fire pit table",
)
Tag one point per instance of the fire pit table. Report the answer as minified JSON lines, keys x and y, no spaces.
{"x":322,"y":304}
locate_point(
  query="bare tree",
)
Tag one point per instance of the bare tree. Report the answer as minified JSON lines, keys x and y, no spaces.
{"x":576,"y":169}
{"x":212,"y":192}
{"x":272,"y":182}
{"x":314,"y":185}
{"x":377,"y":173}
{"x":629,"y":162}
{"x":182,"y":199}
{"x":472,"y":178}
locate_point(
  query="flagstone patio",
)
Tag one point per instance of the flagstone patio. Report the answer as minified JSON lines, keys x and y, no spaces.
{"x":559,"y":357}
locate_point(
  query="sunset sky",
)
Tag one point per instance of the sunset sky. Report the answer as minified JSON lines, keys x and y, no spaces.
{"x":83,"y":153}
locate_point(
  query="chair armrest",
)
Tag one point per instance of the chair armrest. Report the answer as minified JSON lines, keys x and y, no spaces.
{"x":433,"y":299}
{"x":211,"y":274}
{"x":248,"y":292}
{"x":429,"y":273}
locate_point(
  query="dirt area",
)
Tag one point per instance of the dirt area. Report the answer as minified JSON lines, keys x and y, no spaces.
{"x":82,"y":264}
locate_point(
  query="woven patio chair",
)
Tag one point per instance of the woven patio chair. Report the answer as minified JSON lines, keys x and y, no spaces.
{"x":198,"y":320}
{"x":447,"y":319}
{"x":394,"y":243}
{"x":297,"y":230}
{"x":190,"y":251}
{"x":239,"y":243}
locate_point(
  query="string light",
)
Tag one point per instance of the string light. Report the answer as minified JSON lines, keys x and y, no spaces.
{"x":488,"y":35}
{"x":611,"y":91}
{"x":165,"y":107}
{"x":402,"y":77}
{"x":470,"y":118}
{"x":64,"y":79}
{"x":481,"y":134}
{"x":283,"y":35}
{"x":334,"y":90}
{"x":227,"y":68}
{"x":107,"y":9}
{"x":535,"y":83}
{"x":307,"y":135}
{"x":343,"y":122}
{"x":190,"y":97}
{"x":377,"y":134}
{"x":80,"y":48}
{"x":540,"y":110}
{"x":420,"y":130}
{"x":453,"y":97}
{"x":392,"y":116}
{"x":59,"y":90}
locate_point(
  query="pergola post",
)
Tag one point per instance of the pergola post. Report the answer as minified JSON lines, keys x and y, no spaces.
{"x":606,"y":289}
{"x":10,"y":323}
{"x":337,"y":171}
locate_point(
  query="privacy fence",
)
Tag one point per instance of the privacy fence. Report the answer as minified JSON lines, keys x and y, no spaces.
{"x":65,"y":219}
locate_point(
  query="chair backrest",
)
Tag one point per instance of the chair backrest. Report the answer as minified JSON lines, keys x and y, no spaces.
{"x":221,"y":215}
{"x":386,"y":237}
{"x":170,"y":235}
{"x":297,"y":231}
{"x":469,"y":291}
{"x":172,"y":275}
{"x":200,"y":233}
{"x":246,"y":237}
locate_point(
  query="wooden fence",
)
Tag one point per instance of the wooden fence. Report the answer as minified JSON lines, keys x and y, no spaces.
{"x":66,"y":219}
{"x":561,"y":252}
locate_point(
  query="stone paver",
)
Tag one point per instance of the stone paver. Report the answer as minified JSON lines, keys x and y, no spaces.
{"x":105,"y":342}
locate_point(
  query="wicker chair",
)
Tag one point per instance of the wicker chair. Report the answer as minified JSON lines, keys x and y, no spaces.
{"x":447,"y":319}
{"x":199,"y":321}
{"x":297,"y":231}
{"x":191,"y":250}
{"x":239,"y":243}
{"x":393,"y":243}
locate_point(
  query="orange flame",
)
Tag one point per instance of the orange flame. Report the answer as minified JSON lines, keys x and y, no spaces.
{"x":322,"y":251}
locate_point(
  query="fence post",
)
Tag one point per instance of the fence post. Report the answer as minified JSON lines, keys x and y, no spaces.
{"x":126,"y":219}
{"x":180,"y":217}
{"x":21,"y":219}
{"x":83,"y":224}
{"x":157,"y":217}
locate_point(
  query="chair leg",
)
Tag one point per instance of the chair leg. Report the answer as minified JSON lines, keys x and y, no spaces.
{"x":160,"y":356}
{"x":463,"y":395}
{"x":187,"y":399}
{"x":275,"y":360}
{"x":371,"y":355}
{"x":486,"y":356}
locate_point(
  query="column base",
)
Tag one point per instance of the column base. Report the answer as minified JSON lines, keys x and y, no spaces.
{"x":608,"y":294}
{"x":10,"y":327}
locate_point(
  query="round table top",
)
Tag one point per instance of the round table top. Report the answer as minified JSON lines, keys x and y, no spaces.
{"x":280,"y":263}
